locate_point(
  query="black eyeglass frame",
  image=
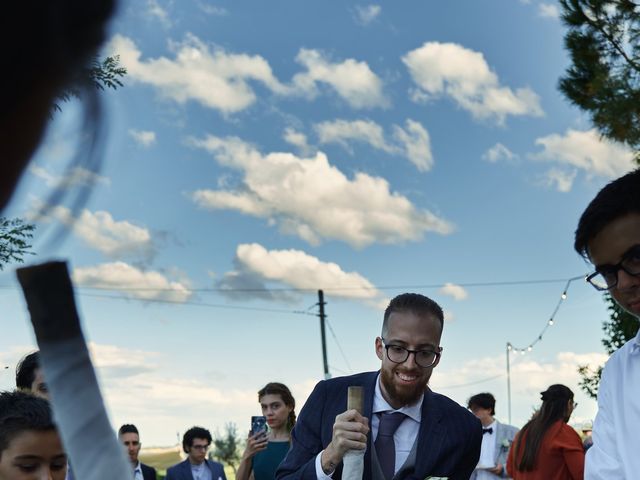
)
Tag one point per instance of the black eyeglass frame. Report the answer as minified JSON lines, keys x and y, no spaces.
{"x":614,"y":269}
{"x":408,"y":352}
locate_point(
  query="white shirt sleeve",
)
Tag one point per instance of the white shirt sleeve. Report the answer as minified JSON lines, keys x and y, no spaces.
{"x":602,"y":461}
{"x":320,"y":475}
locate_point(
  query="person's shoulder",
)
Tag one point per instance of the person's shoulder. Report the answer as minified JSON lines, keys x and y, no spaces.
{"x":177,"y":466}
{"x":144,"y":466}
{"x":216,"y":464}
{"x":507,"y":427}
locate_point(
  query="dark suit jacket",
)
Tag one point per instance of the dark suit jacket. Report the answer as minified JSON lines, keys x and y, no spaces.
{"x":182,"y":471}
{"x":449,"y":438}
{"x":148,"y":473}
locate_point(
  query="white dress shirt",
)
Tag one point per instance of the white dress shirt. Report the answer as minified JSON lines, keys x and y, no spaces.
{"x":404,"y":437}
{"x":487,"y":452}
{"x":137,"y":472}
{"x":616,"y":441}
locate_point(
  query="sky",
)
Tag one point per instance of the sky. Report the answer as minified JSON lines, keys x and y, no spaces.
{"x":261,"y":151}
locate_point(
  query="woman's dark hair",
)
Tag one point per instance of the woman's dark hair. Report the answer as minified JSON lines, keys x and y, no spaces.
{"x":191,"y":434}
{"x":20,"y":412}
{"x":275,"y":388}
{"x":26,"y":370}
{"x":554,"y":408}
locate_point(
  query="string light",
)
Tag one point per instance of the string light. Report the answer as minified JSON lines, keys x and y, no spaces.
{"x":549,"y":323}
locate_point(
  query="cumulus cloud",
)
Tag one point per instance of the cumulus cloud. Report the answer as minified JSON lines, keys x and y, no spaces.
{"x":102,"y":232}
{"x":366,"y":14}
{"x":449,"y":69}
{"x":412,"y":141}
{"x":117,"y":362}
{"x":212,"y":10}
{"x":453,"y":290}
{"x":297,"y":139}
{"x":314,"y":200}
{"x":223,"y":81}
{"x":352,"y":80}
{"x":77,"y":176}
{"x":154,"y":9}
{"x":559,"y":179}
{"x":295,"y":268}
{"x":548,"y":10}
{"x":586,"y":151}
{"x":499,"y":152}
{"x":132,"y":282}
{"x":143,"y":137}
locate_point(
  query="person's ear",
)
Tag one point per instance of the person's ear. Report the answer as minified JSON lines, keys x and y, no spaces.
{"x":379,"y":348}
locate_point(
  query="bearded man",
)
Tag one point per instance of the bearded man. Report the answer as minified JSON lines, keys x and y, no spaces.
{"x":406,"y":430}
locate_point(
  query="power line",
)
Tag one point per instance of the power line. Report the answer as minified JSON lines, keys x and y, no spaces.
{"x":338,"y":344}
{"x":473,"y":383}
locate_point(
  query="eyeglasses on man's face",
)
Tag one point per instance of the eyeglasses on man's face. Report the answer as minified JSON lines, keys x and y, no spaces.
{"x":399,"y":354}
{"x":200,"y":447}
{"x":606,"y":276}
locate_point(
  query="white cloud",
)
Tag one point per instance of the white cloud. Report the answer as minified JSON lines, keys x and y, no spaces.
{"x":216,"y":79}
{"x":559,"y":179}
{"x":328,"y":205}
{"x":352,"y":80}
{"x":156,"y":10}
{"x":412,"y":141}
{"x":364,"y":15}
{"x":297,"y":139}
{"x":453,"y":290}
{"x":448,"y":69}
{"x":209,"y":9}
{"x":499,"y":152}
{"x":77,"y":176}
{"x":117,"y":362}
{"x":548,"y":10}
{"x":113,"y":238}
{"x":222,"y":81}
{"x":132,"y":282}
{"x":586,"y":151}
{"x":143,"y":137}
{"x":295,"y":268}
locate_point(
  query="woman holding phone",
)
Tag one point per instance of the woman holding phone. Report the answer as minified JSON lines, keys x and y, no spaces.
{"x":267,"y":448}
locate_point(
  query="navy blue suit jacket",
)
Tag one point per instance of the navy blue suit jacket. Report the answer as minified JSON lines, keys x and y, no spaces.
{"x":148,"y":473}
{"x":182,"y":471}
{"x":449,"y":438}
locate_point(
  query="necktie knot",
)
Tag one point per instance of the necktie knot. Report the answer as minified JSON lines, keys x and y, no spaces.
{"x":389,"y":423}
{"x":487,"y":430}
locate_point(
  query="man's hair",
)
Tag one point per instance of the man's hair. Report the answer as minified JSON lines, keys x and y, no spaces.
{"x":195,"y":432}
{"x":26,"y":370}
{"x":414,"y":303}
{"x":20,"y":412}
{"x":618,"y":198}
{"x":128,"y":428}
{"x":483,"y":400}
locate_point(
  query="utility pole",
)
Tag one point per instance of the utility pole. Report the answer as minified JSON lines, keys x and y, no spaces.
{"x":322,"y":316}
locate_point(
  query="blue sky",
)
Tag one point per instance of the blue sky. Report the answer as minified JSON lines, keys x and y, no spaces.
{"x":366,"y":149}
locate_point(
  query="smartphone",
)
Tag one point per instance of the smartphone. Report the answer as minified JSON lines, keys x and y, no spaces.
{"x":258,"y":425}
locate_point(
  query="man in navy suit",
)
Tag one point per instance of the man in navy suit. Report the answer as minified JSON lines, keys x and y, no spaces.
{"x":195,"y":444}
{"x":431,"y":436}
{"x":130,"y":438}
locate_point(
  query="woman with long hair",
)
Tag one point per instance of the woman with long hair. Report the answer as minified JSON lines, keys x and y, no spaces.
{"x":547,"y":448}
{"x":265,"y":450}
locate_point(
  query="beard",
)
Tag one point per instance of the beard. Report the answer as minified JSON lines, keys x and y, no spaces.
{"x":402,"y":396}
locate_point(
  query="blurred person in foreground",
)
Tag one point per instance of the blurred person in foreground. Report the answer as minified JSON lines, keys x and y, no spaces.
{"x":195,"y":443}
{"x":266,"y":450}
{"x":405,"y":429}
{"x":46,"y":47}
{"x":608,"y":235}
{"x":497,"y":438}
{"x":130,"y":437}
{"x":30,"y":447}
{"x":547,"y":448}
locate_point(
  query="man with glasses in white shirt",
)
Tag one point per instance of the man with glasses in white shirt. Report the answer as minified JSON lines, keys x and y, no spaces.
{"x":608,"y":235}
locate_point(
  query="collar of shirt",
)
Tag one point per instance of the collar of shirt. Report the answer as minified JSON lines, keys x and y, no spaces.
{"x":492,"y":426}
{"x":381,"y":405}
{"x":636,"y":344}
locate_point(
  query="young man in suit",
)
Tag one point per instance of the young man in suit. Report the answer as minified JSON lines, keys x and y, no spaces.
{"x":406,"y":430}
{"x":130,"y":438}
{"x":608,"y":235}
{"x":195,"y":443}
{"x":496,"y":439}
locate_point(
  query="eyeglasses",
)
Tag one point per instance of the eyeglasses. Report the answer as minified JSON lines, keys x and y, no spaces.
{"x":424,"y":358}
{"x":200,"y":447}
{"x":606,"y":276}
{"x":575,"y":405}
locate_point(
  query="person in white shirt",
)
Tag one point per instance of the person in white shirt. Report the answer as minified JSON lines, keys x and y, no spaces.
{"x":130,"y":437}
{"x":496,"y":439}
{"x":608,"y":235}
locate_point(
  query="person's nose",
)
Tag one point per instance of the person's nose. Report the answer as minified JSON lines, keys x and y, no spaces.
{"x":411,"y":360}
{"x":626,"y":280}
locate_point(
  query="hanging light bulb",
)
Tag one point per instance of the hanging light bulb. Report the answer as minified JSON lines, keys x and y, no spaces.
{"x":551,"y":321}
{"x":529,"y":348}
{"x":564,"y":295}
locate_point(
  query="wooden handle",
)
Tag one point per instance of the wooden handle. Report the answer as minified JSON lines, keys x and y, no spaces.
{"x":355,"y":399}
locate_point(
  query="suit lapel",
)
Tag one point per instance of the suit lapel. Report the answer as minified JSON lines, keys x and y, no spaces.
{"x":430,"y":436}
{"x":369,"y":386}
